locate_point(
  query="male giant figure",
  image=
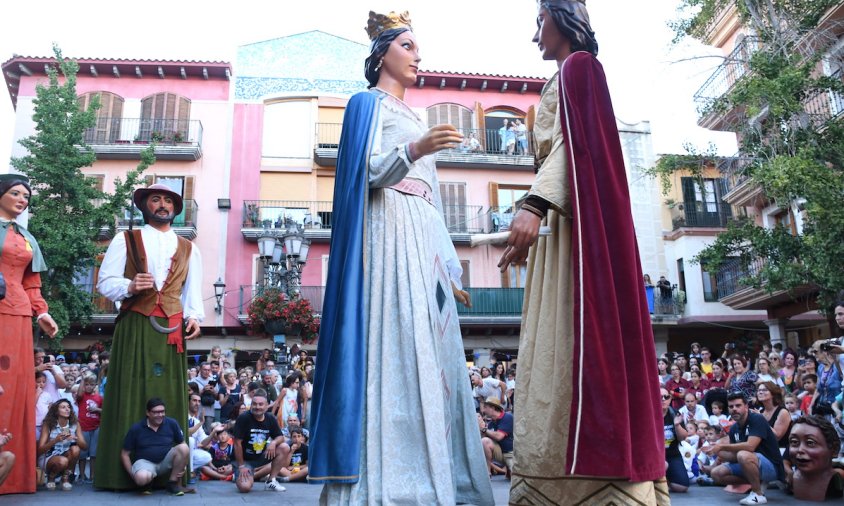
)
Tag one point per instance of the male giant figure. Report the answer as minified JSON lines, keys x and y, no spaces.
{"x":156,"y":277}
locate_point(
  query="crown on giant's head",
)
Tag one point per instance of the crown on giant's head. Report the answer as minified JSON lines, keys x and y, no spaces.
{"x":379,"y":23}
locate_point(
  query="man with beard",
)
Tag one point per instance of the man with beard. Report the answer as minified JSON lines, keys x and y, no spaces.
{"x":155,"y":276}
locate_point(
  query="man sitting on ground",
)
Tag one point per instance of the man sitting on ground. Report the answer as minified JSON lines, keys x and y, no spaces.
{"x":752,"y":456}
{"x":497,"y":436}
{"x":158,"y":446}
{"x":259,"y":446}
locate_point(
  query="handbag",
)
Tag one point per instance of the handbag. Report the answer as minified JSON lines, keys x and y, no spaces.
{"x":2,"y":287}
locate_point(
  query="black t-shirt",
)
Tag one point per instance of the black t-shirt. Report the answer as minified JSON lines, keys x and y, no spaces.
{"x":672,"y":445}
{"x":503,"y":424}
{"x":300,"y":455}
{"x":255,"y":435}
{"x":153,"y":445}
{"x":756,"y":425}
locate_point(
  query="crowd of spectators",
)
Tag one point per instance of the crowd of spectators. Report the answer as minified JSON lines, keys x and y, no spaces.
{"x":243,"y":424}
{"x":768,"y":395}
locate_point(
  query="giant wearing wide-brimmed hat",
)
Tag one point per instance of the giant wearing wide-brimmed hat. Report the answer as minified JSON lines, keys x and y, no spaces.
{"x":140,"y":196}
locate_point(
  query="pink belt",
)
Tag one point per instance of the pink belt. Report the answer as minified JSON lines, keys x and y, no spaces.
{"x":414,"y":187}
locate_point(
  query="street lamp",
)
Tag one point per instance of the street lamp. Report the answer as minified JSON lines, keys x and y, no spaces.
{"x":284,"y":255}
{"x":219,"y":291}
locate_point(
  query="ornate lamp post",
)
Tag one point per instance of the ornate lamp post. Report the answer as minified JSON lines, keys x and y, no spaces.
{"x":284,"y":255}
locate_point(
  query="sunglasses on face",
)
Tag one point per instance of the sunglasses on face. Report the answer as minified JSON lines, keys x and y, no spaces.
{"x":666,"y":397}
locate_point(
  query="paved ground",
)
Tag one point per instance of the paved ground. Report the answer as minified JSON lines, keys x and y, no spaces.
{"x":299,"y":494}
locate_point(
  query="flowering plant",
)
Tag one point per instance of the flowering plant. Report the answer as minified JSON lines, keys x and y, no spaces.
{"x":296,"y":313}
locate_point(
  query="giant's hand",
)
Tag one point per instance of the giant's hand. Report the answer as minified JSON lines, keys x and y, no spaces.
{"x":461,"y":296}
{"x":48,"y":325}
{"x":192,"y":329}
{"x":142,"y":281}
{"x":436,"y":139}
{"x":524,"y":229}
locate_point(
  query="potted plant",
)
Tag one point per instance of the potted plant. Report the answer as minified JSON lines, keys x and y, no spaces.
{"x":140,"y":140}
{"x":178,"y":137}
{"x":156,"y":136}
{"x":275,"y":313}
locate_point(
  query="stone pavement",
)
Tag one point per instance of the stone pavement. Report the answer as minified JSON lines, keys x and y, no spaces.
{"x":299,"y":494}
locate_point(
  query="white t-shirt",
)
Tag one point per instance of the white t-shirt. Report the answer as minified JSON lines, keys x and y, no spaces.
{"x":489,"y":387}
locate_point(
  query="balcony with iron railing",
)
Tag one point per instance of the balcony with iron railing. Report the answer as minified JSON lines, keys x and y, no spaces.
{"x":734,"y":287}
{"x":125,"y":138}
{"x":489,"y":305}
{"x":668,"y":304}
{"x":500,"y":305}
{"x":735,"y":66}
{"x":481,"y":148}
{"x":702,"y":215}
{"x":824,"y":106}
{"x":316,"y":218}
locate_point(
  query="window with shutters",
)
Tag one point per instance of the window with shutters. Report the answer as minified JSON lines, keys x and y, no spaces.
{"x":108,"y":117}
{"x":455,"y":209}
{"x":452,"y":114}
{"x":703,"y":205}
{"x":163,"y":116}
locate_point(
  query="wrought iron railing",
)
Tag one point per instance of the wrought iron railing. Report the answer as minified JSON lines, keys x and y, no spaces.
{"x":667,"y":302}
{"x":145,"y":131}
{"x":715,"y":214}
{"x":485,"y":301}
{"x":187,"y":218}
{"x":735,"y":169}
{"x":722,"y":80}
{"x":487,"y":141}
{"x":825,"y":105}
{"x":733,"y":277}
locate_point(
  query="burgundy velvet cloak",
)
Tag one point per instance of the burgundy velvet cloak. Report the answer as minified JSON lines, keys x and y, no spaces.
{"x":616,"y":417}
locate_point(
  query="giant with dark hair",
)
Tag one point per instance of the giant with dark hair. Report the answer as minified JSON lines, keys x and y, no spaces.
{"x":833,"y":442}
{"x":378,"y":48}
{"x":572,"y":20}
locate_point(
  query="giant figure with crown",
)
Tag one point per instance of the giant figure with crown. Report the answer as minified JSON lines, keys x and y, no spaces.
{"x":390,"y":354}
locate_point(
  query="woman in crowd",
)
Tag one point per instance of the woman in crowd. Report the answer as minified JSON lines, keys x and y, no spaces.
{"x":229,"y":393}
{"x":675,"y":433}
{"x":261,"y":363}
{"x":663,"y":366}
{"x":678,"y":387}
{"x":392,"y":245}
{"x":788,"y":372}
{"x":306,"y":392}
{"x":21,"y":265}
{"x":499,"y":372}
{"x":486,"y":372}
{"x":770,"y":402}
{"x":647,"y":280}
{"x":828,"y":388}
{"x":764,"y":372}
{"x":812,"y":444}
{"x":776,"y":362}
{"x":60,"y":443}
{"x":742,"y":379}
{"x":699,"y":384}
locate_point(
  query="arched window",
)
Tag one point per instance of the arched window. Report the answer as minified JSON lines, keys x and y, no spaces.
{"x":453,"y":114}
{"x":164,"y":117}
{"x":109,"y":117}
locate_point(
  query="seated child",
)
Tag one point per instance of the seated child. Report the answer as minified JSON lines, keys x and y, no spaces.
{"x":693,"y":439}
{"x":222,"y":452}
{"x":714,"y":435}
{"x":792,"y":404}
{"x":718,"y":417}
{"x":298,"y":468}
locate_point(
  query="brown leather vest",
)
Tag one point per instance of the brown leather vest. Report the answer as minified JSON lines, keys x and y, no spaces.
{"x":170,"y":295}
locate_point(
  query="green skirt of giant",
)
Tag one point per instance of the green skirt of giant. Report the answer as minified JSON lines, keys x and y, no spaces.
{"x":142,"y":366}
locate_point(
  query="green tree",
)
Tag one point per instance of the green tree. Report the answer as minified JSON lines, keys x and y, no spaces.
{"x":68,"y":211}
{"x":794,"y":141}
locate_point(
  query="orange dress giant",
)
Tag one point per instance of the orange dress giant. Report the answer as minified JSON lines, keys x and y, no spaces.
{"x":17,"y":366}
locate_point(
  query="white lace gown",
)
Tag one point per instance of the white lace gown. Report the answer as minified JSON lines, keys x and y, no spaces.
{"x":421,"y":439}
